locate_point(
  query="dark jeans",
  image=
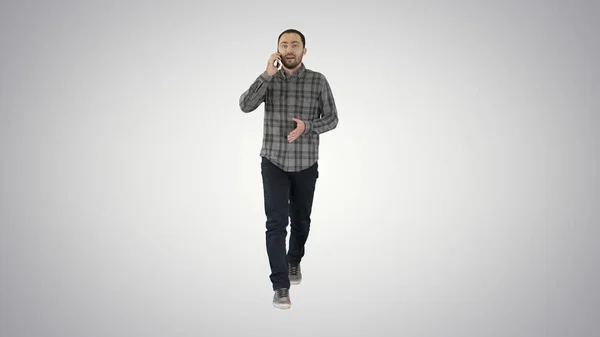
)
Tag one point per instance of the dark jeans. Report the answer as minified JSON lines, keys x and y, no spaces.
{"x":287,"y":194}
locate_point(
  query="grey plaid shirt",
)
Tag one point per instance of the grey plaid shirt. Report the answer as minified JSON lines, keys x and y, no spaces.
{"x":304,"y":95}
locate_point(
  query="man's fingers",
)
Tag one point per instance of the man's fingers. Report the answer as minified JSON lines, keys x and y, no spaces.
{"x":292,"y":136}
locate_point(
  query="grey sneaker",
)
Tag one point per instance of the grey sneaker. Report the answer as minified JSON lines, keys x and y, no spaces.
{"x":281,"y":299}
{"x":295,"y":274}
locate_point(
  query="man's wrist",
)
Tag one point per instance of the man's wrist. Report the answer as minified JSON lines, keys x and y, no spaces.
{"x":265,"y":76}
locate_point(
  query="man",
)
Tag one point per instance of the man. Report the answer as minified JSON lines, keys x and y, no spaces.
{"x":299,"y":106}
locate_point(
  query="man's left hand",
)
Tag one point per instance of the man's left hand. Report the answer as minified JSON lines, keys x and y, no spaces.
{"x":298,"y":131}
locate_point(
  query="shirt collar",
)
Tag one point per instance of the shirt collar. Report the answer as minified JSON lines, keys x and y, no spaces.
{"x":300,"y":72}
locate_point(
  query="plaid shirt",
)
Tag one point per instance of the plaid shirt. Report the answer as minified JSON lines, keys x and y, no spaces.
{"x":304,"y":95}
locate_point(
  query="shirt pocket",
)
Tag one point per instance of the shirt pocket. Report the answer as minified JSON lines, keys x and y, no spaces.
{"x":309,"y":108}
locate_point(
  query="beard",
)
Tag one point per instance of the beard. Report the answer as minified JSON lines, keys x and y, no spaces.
{"x":290,"y":64}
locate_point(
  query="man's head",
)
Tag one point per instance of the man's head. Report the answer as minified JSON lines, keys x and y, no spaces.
{"x":292,"y":47}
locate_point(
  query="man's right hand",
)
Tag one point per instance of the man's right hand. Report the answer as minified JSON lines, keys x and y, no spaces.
{"x":271,"y":68}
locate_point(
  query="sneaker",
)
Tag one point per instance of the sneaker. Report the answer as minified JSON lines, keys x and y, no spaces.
{"x":295,"y":274}
{"x":281,"y":299}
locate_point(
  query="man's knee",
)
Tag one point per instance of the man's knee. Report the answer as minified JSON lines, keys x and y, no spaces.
{"x":276,"y":222}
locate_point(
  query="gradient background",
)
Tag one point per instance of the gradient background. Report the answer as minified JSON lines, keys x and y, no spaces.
{"x":458,"y":195}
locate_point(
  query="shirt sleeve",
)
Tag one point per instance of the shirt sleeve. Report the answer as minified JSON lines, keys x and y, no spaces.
{"x":328,"y":115}
{"x":255,"y":95}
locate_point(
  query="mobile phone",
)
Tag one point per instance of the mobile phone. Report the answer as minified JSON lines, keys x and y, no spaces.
{"x":278,"y":62}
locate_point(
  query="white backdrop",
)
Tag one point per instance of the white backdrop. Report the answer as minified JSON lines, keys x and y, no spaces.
{"x":458,"y":195}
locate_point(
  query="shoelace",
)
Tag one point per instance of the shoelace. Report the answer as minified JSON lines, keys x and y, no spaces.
{"x":294,"y":270}
{"x":283,"y":292}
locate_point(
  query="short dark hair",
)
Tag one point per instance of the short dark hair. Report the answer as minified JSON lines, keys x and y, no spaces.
{"x":292,"y":31}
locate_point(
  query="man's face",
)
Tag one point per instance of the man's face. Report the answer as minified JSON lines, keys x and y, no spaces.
{"x":291,"y":50}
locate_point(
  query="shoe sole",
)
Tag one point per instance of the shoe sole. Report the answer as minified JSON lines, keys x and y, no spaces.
{"x":282,"y":306}
{"x":295,"y":282}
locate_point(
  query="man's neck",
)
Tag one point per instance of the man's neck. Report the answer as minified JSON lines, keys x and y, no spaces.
{"x":292,"y":71}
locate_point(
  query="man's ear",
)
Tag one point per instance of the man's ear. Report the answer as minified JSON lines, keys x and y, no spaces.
{"x":304,"y":53}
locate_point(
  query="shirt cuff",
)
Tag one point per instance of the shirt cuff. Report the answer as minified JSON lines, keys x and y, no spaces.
{"x":307,"y":127}
{"x":266,"y":76}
